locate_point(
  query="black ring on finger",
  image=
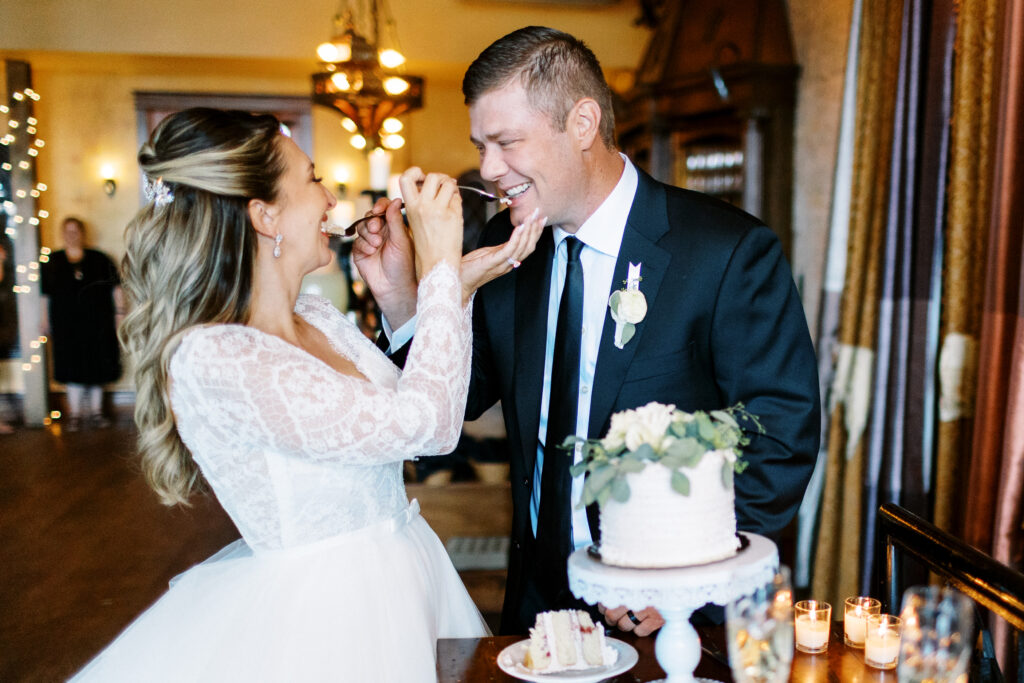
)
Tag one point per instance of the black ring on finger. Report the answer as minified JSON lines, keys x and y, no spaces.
{"x":632,"y":617}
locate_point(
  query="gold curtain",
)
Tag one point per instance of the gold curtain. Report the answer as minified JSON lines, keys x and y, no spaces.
{"x":838,"y":549}
{"x":970,"y":196}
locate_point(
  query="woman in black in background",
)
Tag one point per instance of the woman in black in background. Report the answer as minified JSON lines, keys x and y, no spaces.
{"x":84,"y":300}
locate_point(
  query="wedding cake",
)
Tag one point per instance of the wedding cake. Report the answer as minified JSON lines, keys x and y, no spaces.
{"x":664,"y":482}
{"x":564,"y":640}
{"x":658,"y":527}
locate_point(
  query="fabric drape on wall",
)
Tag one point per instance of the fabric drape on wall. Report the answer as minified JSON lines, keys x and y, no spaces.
{"x":900,"y":451}
{"x":889,"y":374}
{"x":1003,"y":312}
{"x":970,"y":196}
{"x":994,"y":523}
{"x":839,"y":533}
{"x":886,"y":453}
{"x":829,"y":308}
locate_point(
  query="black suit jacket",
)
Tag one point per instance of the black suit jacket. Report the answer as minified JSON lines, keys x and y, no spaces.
{"x":724,"y":325}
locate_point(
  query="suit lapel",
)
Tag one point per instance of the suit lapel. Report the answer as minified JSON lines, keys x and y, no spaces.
{"x":646,"y":224}
{"x":531,"y":322}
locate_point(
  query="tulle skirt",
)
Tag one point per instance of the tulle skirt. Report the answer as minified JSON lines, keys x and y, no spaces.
{"x":364,"y":606}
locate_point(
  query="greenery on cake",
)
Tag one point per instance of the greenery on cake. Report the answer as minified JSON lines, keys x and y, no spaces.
{"x":658,"y":433}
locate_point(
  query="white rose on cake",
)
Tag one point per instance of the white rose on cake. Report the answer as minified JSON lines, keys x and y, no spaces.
{"x":632,"y":428}
{"x":664,"y":481}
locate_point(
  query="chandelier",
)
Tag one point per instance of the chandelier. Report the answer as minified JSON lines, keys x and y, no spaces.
{"x":361,"y":76}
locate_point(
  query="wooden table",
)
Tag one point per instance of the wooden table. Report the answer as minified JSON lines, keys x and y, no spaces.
{"x":474,"y":660}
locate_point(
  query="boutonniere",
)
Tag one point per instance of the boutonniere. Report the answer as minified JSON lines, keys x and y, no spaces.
{"x":629,"y":306}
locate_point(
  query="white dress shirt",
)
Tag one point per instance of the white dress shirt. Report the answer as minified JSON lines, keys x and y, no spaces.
{"x":601,"y":235}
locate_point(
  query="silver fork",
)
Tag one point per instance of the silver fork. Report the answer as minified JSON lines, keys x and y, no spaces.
{"x":351,"y":229}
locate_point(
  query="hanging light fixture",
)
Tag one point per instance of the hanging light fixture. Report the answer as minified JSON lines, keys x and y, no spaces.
{"x":361,"y":76}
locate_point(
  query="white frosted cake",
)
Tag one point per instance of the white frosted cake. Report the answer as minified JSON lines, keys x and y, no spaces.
{"x":658,"y":527}
{"x":564,"y":640}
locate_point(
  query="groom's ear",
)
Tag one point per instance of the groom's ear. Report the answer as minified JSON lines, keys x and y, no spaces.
{"x":584,"y":122}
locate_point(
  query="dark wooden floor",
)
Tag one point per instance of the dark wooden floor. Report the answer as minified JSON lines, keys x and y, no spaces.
{"x":84,"y":546}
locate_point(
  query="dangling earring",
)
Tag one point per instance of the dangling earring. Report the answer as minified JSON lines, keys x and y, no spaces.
{"x":277,"y":245}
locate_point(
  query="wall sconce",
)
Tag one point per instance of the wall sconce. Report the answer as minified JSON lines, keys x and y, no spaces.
{"x":341,"y":178}
{"x":109,"y":181}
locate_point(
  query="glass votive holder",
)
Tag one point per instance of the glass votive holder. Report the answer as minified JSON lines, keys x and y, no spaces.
{"x":855,"y":619}
{"x":882,"y":641}
{"x":812,"y":620}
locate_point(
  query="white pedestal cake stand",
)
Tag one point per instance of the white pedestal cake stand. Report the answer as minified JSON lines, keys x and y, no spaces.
{"x":675,"y":593}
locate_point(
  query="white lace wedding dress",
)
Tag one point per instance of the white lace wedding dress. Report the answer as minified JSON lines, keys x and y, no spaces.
{"x":337,"y":577}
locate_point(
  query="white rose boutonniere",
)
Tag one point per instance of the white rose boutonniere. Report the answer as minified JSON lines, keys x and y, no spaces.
{"x":628,"y":306}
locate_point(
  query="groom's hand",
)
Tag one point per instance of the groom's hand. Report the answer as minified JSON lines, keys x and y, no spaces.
{"x":644,"y":622}
{"x":383,"y":253}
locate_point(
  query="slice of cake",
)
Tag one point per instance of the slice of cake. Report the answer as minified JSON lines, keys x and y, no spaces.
{"x":566,"y":639}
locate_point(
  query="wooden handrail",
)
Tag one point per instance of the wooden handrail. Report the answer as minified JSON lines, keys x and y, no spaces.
{"x":986,"y":581}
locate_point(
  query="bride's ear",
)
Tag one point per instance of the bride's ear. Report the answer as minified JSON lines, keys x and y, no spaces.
{"x":263,"y":216}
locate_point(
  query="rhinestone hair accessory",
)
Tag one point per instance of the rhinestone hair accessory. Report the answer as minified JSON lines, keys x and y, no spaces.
{"x":284,"y":130}
{"x":158,"y":192}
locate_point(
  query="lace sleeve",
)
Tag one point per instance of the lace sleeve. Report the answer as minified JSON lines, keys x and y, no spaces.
{"x":234,"y":385}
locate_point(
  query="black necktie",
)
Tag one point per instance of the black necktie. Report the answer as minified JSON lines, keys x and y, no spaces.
{"x":553,"y":519}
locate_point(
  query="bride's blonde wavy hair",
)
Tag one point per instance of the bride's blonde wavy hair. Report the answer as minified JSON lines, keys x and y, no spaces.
{"x":190,"y":261}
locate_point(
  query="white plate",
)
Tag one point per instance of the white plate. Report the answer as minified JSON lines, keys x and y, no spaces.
{"x":510,"y":660}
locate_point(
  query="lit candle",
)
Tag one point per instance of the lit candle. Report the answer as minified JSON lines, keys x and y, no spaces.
{"x":854,"y":627}
{"x":812,"y":625}
{"x":882,"y":641}
{"x":811,"y":633}
{"x":856,"y":612}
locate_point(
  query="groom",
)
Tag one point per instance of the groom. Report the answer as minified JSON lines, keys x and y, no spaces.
{"x":723,"y":324}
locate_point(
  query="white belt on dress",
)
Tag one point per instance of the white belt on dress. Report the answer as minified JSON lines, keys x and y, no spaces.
{"x":383,"y":527}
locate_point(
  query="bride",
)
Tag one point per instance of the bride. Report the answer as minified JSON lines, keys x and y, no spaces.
{"x":293,"y":418}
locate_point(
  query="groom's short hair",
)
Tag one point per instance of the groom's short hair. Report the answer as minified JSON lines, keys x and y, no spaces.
{"x":556,"y":70}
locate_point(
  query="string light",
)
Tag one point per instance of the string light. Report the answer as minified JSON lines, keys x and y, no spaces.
{"x":29,"y":271}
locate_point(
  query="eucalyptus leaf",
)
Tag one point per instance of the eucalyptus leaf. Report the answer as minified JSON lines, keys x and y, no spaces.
{"x":688,"y":448}
{"x":727,"y":475}
{"x":680,"y":483}
{"x":705,"y":428}
{"x":603,"y":495}
{"x":628,"y":330}
{"x":569,"y":442}
{"x":600,"y":478}
{"x":691,"y":461}
{"x":646,"y":452}
{"x":673,"y":460}
{"x":629,"y":466}
{"x":726,"y":417}
{"x":620,"y":489}
{"x":578,"y":469}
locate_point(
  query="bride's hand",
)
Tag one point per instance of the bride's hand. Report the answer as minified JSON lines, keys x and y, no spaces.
{"x":487,"y":263}
{"x":434,"y":209}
